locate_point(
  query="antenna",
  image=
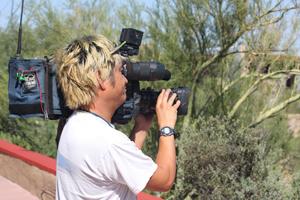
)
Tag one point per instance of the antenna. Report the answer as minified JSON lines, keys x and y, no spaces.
{"x":20,"y":33}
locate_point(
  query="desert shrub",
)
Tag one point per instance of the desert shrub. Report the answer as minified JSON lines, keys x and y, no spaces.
{"x":219,"y":159}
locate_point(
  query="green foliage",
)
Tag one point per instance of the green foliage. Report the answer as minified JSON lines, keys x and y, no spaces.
{"x":293,"y":149}
{"x":219,"y":159}
{"x":33,"y":134}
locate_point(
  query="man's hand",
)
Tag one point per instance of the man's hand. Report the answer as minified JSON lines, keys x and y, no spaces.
{"x":143,"y":122}
{"x":166,"y":110}
{"x":140,"y":129}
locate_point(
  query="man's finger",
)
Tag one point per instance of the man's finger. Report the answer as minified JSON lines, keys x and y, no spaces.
{"x":160,"y":96}
{"x":166,"y":95}
{"x":177,"y":104}
{"x":172,"y":98}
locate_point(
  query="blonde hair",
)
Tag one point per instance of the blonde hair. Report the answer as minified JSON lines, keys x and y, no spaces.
{"x":80,"y":65}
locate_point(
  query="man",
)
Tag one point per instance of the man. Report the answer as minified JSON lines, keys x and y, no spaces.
{"x":94,"y":160}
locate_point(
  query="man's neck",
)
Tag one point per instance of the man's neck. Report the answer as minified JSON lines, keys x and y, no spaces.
{"x":102,"y":106}
{"x":102,"y":113}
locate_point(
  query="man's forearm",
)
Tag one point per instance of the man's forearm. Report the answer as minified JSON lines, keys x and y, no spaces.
{"x":163,"y":178}
{"x":166,"y":156}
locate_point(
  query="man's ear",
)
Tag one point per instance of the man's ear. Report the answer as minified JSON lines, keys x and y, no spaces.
{"x":101,"y":83}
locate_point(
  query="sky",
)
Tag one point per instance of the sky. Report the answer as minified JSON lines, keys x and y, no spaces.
{"x":5,"y":10}
{"x":5,"y":7}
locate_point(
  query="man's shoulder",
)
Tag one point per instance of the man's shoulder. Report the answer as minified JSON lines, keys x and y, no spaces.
{"x":83,"y":126}
{"x":87,"y":121}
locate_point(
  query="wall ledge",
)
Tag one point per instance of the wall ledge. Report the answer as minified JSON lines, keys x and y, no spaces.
{"x":43,"y":162}
{"x":36,"y":159}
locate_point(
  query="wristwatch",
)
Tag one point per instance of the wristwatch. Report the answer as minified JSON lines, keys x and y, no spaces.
{"x":167,"y":131}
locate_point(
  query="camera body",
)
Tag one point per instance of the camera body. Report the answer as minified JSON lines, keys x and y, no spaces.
{"x":142,"y":100}
{"x":34,"y":92}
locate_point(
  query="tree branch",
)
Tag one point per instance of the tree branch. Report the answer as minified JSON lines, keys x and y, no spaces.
{"x":256,"y":22}
{"x":265,"y":51}
{"x":273,"y":111}
{"x":255,"y":85}
{"x":227,"y":87}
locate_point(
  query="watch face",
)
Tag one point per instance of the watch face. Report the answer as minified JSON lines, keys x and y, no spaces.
{"x":166,"y":130}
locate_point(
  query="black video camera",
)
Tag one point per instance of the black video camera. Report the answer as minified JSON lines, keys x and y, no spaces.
{"x":33,"y":90}
{"x":142,"y":100}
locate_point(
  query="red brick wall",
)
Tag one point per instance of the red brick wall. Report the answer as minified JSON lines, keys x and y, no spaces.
{"x":43,"y":162}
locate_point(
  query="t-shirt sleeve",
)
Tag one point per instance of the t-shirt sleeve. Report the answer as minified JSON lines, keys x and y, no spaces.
{"x":130,"y":166}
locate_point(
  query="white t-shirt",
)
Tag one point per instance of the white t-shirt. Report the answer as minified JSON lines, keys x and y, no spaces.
{"x":95,"y":161}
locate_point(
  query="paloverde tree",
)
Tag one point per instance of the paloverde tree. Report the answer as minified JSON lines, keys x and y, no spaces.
{"x":201,"y":42}
{"x":209,"y":45}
